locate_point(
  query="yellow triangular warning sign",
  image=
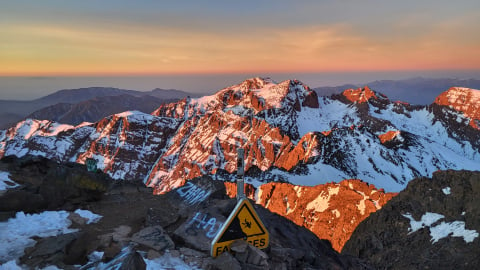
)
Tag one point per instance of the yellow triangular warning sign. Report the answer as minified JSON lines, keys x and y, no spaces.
{"x":243,"y":223}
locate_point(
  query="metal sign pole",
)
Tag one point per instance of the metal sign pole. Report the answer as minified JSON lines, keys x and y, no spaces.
{"x":240,"y":172}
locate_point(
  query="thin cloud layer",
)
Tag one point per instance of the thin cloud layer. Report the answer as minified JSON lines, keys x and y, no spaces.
{"x":149,"y":38}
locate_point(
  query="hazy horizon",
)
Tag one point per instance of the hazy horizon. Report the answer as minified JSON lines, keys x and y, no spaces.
{"x":29,"y":88}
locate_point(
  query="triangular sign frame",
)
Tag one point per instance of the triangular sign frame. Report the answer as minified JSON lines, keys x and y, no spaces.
{"x":243,"y":223}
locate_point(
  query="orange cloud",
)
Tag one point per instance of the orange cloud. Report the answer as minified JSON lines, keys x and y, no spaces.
{"x":47,"y":49}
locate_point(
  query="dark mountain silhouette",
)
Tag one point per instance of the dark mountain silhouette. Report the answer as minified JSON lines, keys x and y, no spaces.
{"x":96,"y":108}
{"x":12,"y":111}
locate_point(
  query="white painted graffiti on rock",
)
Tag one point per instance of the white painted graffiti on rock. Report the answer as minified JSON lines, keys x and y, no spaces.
{"x":204,"y":222}
{"x":193,"y":194}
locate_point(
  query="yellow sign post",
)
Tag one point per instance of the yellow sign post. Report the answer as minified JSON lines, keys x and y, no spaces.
{"x":243,"y":223}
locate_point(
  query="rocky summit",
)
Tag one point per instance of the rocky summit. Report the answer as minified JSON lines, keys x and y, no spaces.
{"x":136,"y":225}
{"x":432,"y":224}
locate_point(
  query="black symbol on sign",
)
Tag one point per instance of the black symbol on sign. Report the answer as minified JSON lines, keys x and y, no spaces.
{"x":247,"y":224}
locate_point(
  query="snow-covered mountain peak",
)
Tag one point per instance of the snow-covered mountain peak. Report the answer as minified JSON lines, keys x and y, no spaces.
{"x":359,"y":95}
{"x":464,"y":100}
{"x":253,"y":96}
{"x":255,"y":83}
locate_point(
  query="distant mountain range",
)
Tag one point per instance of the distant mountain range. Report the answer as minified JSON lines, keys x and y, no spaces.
{"x":72,"y":106}
{"x":97,"y":108}
{"x":85,"y":104}
{"x":419,"y":91}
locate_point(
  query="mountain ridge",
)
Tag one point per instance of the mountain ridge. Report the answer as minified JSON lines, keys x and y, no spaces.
{"x":288,"y":132}
{"x":19,"y":110}
{"x":417,"y":90}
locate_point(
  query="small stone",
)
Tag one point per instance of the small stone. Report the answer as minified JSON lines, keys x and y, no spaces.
{"x":105,"y":240}
{"x":153,"y":254}
{"x":239,"y":246}
{"x":121,"y":233}
{"x":76,"y":218}
{"x":154,"y":237}
{"x":191,"y":252}
{"x":133,"y":261}
{"x":256,"y":256}
{"x":225,"y":261}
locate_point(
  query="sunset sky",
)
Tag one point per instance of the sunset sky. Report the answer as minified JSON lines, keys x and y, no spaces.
{"x":199,"y":37}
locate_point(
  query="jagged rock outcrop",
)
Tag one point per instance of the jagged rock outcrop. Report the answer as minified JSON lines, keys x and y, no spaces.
{"x":359,"y":95}
{"x":464,"y":100}
{"x":432,"y":224}
{"x":332,"y":211}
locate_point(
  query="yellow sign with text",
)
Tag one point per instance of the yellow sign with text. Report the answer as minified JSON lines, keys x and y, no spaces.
{"x":243,"y":223}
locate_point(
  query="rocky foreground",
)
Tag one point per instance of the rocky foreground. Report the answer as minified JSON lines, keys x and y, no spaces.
{"x":181,"y":223}
{"x":433,"y":224}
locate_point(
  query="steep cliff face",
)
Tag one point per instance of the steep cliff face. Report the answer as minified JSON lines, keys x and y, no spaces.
{"x":332,"y":211}
{"x":464,"y":100}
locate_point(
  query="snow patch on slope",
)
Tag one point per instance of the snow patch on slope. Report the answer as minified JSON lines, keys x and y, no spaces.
{"x":332,"y":113}
{"x":6,"y":182}
{"x":321,"y":203}
{"x":442,"y":230}
{"x":91,"y":217}
{"x":16,"y":233}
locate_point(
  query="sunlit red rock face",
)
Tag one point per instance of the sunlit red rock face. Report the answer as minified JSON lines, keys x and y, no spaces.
{"x":388,"y":136}
{"x":465,"y":100}
{"x":359,"y":95}
{"x":207,"y":143}
{"x":258,"y":115}
{"x":332,"y":211}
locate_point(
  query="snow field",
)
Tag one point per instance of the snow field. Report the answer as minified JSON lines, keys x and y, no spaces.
{"x":16,"y":233}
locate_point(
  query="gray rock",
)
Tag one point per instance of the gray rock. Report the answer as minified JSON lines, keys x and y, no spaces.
{"x":48,"y":250}
{"x":120,"y":233}
{"x":51,"y":245}
{"x":127,"y":259}
{"x":153,"y":254}
{"x":133,"y":261}
{"x":77,"y":219}
{"x":249,"y":256}
{"x":200,"y":228}
{"x":225,"y":261}
{"x":163,"y":216}
{"x":154,"y":237}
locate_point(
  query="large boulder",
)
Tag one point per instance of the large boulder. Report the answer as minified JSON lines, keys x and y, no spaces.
{"x":48,"y":185}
